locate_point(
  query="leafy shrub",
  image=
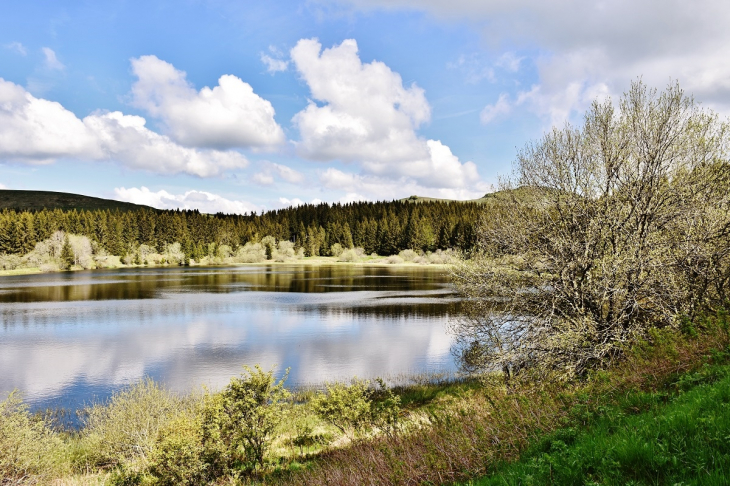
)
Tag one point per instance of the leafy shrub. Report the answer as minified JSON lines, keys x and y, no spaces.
{"x":348,"y":256}
{"x":179,"y":454}
{"x":250,"y":253}
{"x":125,"y":428}
{"x":10,"y":262}
{"x":239,"y":422}
{"x":408,"y":255}
{"x":284,"y":251}
{"x":29,"y":451}
{"x":347,"y":407}
{"x":393,"y":260}
{"x":336,"y":250}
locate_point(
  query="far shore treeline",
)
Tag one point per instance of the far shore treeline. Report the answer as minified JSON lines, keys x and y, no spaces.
{"x":384,"y":228}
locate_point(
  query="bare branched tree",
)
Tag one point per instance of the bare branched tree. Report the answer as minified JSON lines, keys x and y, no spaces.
{"x":602,"y":233}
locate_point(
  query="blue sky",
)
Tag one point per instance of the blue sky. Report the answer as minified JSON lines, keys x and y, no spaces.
{"x":240,"y":106}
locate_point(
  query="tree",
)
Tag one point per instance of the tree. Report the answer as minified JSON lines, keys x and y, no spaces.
{"x":67,"y":253}
{"x":608,"y":230}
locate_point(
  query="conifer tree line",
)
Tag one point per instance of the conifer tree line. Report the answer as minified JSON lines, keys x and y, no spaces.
{"x":384,"y":228}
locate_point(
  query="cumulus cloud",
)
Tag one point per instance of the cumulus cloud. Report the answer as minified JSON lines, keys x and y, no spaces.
{"x":225,"y":116}
{"x":203,"y":201}
{"x":368,"y":117}
{"x":35,"y":130}
{"x":51,"y":61}
{"x":39,"y":130}
{"x":3,"y":186}
{"x":17,"y":47}
{"x":588,"y":48}
{"x":125,"y":138}
{"x":269,"y":169}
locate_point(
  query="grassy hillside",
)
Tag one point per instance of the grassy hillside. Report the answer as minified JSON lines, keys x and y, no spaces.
{"x":645,"y":438}
{"x":37,"y":200}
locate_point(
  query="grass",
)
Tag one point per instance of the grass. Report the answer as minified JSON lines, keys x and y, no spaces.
{"x":681,"y":438}
{"x":20,"y":271}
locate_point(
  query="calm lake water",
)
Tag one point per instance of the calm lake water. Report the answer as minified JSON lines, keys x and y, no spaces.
{"x":69,"y":338}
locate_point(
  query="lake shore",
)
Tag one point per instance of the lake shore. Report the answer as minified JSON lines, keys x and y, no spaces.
{"x":306,"y":261}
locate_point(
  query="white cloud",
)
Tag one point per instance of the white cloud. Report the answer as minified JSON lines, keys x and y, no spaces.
{"x":274,"y":64}
{"x":228,"y":115}
{"x":125,"y":138}
{"x":285,"y":202}
{"x":290,"y":202}
{"x":263,"y":178}
{"x":17,"y":47}
{"x":351,"y":197}
{"x":51,"y":61}
{"x":596,"y":48}
{"x":35,"y":130}
{"x":266,"y":176}
{"x":501,"y":107}
{"x":205,"y":202}
{"x":3,"y":186}
{"x":368,"y":113}
{"x":368,"y":117}
{"x":38,"y":130}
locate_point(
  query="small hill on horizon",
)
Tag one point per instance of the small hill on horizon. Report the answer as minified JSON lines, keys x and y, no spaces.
{"x":37,"y":200}
{"x":488,"y":198}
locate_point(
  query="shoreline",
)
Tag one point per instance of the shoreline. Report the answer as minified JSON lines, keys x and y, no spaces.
{"x":312,"y":261}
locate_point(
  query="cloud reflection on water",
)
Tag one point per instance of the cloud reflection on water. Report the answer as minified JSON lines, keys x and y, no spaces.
{"x":197,"y":330}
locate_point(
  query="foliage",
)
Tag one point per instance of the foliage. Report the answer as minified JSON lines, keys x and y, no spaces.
{"x":179,"y":454}
{"x":353,"y":408}
{"x":29,"y":450}
{"x":125,"y":428}
{"x":145,"y":236}
{"x":347,"y":407}
{"x":238,"y":423}
{"x":622,"y":225}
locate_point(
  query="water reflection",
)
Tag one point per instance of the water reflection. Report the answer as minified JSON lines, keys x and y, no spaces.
{"x":67,"y":338}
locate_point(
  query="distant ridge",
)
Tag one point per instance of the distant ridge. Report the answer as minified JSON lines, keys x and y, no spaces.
{"x":37,"y":200}
{"x":488,"y":198}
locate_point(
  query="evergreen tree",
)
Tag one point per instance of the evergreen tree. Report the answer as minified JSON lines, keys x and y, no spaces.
{"x":67,"y":254}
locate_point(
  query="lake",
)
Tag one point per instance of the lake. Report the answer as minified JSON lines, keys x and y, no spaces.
{"x":69,"y":338}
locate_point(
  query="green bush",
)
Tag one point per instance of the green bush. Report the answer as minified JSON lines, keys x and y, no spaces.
{"x":238,"y":423}
{"x":347,"y":407}
{"x":179,"y":455}
{"x":29,"y":451}
{"x":125,"y":428}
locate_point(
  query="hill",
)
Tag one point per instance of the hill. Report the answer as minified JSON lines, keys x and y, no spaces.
{"x":489,"y":198}
{"x":37,"y":200}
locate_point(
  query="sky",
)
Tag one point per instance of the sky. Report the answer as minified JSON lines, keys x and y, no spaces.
{"x":240,"y":106}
